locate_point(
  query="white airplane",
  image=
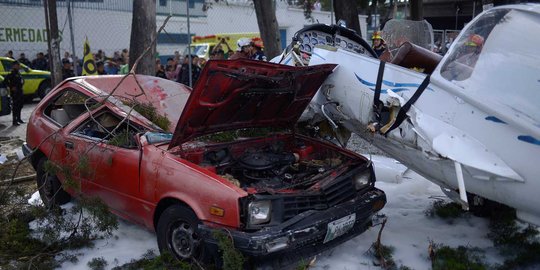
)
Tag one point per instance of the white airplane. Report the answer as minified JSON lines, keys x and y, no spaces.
{"x":469,"y":122}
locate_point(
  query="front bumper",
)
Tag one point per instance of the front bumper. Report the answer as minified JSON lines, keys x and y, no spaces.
{"x":304,"y":235}
{"x":26,"y":150}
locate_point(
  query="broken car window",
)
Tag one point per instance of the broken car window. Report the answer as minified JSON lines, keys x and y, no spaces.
{"x":109,"y":128}
{"x":67,"y":106}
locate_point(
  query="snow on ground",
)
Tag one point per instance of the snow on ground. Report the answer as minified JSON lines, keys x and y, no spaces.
{"x":128,"y":242}
{"x":408,"y":230}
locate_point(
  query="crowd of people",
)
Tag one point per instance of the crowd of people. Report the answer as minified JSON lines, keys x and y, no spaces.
{"x":41,"y":62}
{"x":177,"y":67}
{"x":111,"y":65}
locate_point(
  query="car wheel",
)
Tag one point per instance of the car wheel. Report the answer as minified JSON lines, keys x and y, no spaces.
{"x":177,"y":234}
{"x":50,"y":188}
{"x":44,"y":89}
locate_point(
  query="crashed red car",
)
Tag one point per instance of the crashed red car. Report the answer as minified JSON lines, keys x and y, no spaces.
{"x":226,"y":157}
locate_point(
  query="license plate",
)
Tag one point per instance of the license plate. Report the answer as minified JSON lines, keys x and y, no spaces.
{"x":339,"y":227}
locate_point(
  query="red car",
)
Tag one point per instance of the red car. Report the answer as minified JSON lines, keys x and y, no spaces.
{"x":223,"y":157}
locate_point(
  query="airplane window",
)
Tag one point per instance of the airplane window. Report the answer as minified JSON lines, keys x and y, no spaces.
{"x":468,"y":49}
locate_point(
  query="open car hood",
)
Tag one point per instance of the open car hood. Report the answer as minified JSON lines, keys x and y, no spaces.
{"x":233,"y":94}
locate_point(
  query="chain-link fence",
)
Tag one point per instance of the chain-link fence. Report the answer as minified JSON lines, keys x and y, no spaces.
{"x":107,"y":23}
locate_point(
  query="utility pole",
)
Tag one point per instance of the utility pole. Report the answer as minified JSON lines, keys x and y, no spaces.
{"x":53,"y":39}
{"x":190,"y":67}
{"x":72,"y":36}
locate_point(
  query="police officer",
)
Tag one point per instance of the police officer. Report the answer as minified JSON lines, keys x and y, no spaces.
{"x":14,"y":82}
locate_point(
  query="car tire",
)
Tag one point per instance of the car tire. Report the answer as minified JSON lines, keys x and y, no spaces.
{"x":44,"y":89}
{"x":177,"y":234}
{"x":50,"y":189}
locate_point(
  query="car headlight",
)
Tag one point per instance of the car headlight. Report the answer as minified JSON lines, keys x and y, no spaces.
{"x":361,"y":180}
{"x":259,"y":212}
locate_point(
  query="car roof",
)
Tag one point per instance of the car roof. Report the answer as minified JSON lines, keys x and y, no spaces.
{"x":167,"y":97}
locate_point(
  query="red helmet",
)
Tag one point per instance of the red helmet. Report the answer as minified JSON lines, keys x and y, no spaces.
{"x":475,"y":41}
{"x":257,"y":42}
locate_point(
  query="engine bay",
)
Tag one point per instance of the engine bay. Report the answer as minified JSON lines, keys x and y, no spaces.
{"x":272,"y":164}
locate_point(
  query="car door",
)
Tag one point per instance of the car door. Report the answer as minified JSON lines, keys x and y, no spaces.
{"x":49,"y":125}
{"x":109,"y":161}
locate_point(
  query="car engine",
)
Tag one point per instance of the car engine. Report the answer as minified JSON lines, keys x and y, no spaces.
{"x":270,"y":167}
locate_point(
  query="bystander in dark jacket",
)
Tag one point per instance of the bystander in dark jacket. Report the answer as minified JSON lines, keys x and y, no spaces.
{"x":40,"y":63}
{"x":67,"y":70}
{"x":14,"y":81}
{"x":23,"y":60}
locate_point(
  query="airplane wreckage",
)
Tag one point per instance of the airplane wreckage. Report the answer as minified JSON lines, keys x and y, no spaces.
{"x":468,"y":121}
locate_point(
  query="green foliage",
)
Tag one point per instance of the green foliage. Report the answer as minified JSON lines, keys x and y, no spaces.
{"x":97,"y":263}
{"x":16,"y":239}
{"x":83,"y":166}
{"x":121,"y":139}
{"x":149,"y":261}
{"x":44,"y":245}
{"x":232,"y":258}
{"x":150,"y":113}
{"x":445,"y":210}
{"x":384,"y":254}
{"x":302,"y":265}
{"x":460,"y":258}
{"x":232,"y":135}
{"x":50,"y":168}
{"x":519,"y":245}
{"x":98,"y":214}
{"x":225,"y":136}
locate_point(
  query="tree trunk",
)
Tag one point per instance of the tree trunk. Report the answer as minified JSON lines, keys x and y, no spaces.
{"x":143,"y":32}
{"x":54,"y":42}
{"x":268,"y":26}
{"x":417,"y":13}
{"x":346,"y":10}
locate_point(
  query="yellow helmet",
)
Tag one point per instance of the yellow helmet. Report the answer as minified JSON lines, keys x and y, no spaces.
{"x":376,"y":35}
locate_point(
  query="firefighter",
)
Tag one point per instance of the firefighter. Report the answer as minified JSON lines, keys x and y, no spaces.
{"x":243,"y":50}
{"x":14,"y":81}
{"x":471,"y":50}
{"x":257,"y":47}
{"x":378,"y":43}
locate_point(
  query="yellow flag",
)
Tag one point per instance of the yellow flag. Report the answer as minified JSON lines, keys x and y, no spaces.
{"x":89,"y":64}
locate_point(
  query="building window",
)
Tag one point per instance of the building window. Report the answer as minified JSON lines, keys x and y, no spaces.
{"x":172,"y":38}
{"x":163,"y":3}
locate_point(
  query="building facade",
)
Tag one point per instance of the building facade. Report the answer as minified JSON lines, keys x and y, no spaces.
{"x":107,"y":23}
